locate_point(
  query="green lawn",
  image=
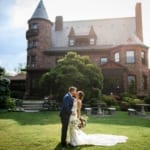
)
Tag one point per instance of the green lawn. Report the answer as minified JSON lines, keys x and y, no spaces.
{"x":41,"y":131}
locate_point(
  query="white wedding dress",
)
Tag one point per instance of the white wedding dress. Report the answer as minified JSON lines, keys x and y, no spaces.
{"x":78,"y":137}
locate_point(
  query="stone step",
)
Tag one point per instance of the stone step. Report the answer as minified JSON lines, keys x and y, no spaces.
{"x":31,"y":110}
{"x":32,"y":102}
{"x":32,"y":106}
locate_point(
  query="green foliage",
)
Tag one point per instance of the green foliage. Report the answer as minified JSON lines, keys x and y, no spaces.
{"x":20,"y":68}
{"x":4,"y":91}
{"x":147,"y":99}
{"x":129,"y":102}
{"x":1,"y":71}
{"x":73,"y":70}
{"x":126,"y":94}
{"x":109,"y":100}
{"x":10,"y":103}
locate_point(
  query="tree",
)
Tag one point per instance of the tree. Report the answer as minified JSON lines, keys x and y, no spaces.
{"x":20,"y":68}
{"x":73,"y":70}
{"x":4,"y":89}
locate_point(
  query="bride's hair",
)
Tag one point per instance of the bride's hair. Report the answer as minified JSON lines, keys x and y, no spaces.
{"x":81,"y":95}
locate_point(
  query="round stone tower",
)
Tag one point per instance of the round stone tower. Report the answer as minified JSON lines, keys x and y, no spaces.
{"x":38,"y":38}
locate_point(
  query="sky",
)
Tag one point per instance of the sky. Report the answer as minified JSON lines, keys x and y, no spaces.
{"x":14,"y":15}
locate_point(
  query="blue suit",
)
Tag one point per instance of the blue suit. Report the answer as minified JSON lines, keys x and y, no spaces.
{"x":65,"y":115}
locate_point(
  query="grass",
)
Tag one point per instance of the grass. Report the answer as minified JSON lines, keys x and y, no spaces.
{"x":41,"y":131}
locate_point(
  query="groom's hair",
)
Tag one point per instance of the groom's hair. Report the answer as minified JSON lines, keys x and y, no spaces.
{"x":72,"y":88}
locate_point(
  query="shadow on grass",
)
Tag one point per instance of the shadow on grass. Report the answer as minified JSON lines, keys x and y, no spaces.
{"x":34,"y":118}
{"x":59,"y":147}
{"x":52,"y":117}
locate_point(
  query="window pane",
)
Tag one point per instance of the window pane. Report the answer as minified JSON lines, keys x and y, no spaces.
{"x":144,"y":82}
{"x":117,"y":57}
{"x":92,"y":41}
{"x":34,"y":43}
{"x":130,"y":57}
{"x":33,"y":61}
{"x":71,"y":42}
{"x":34,"y":26}
{"x":132,"y":84}
{"x":143,"y":58}
{"x":131,"y":79}
{"x":103,"y":60}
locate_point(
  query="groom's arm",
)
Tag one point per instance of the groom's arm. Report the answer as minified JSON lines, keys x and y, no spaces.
{"x":68,"y":103}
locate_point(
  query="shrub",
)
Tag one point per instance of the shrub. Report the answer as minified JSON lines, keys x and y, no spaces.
{"x":124,"y":105}
{"x":147,"y":99}
{"x":129,"y":102}
{"x":126,"y":94}
{"x":4,"y":91}
{"x":109,"y":100}
{"x":10,"y":103}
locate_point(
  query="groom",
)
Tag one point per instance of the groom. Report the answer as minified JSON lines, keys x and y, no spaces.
{"x":65,"y":113}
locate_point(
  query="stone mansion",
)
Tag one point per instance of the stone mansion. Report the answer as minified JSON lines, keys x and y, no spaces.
{"x":115,"y":45}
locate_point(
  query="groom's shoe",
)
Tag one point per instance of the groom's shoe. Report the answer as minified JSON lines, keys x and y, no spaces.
{"x":70,"y":145}
{"x":65,"y":145}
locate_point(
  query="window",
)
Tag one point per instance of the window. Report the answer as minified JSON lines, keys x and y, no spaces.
{"x":71,"y":42}
{"x":92,"y":41}
{"x":33,"y":61}
{"x":82,"y":41}
{"x":143,"y":58}
{"x":117,"y":57}
{"x":130,"y":57}
{"x":103,"y":60}
{"x":29,"y":44}
{"x":28,"y":61}
{"x":132,"y":84}
{"x":144,"y":82}
{"x":32,"y":44}
{"x":34,"y":26}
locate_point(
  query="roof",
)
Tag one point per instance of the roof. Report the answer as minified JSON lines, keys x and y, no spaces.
{"x":113,"y":65}
{"x":114,"y":32}
{"x":40,"y":12}
{"x":20,"y":76}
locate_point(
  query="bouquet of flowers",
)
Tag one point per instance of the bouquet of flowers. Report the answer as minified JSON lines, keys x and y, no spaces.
{"x":79,"y":123}
{"x":83,"y":121}
{"x":74,"y":123}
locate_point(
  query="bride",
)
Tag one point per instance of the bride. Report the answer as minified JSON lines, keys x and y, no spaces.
{"x":78,"y":137}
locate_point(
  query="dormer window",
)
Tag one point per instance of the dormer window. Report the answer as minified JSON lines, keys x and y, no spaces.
{"x":71,"y":42}
{"x":82,"y":39}
{"x":92,"y":41}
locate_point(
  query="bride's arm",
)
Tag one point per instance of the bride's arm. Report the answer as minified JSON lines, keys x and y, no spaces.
{"x":79,"y":108}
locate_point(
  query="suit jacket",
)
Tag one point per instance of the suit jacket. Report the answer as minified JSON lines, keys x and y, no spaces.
{"x":67,"y":105}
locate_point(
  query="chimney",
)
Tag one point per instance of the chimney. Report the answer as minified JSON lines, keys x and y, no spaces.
{"x":59,"y":23}
{"x":138,"y":18}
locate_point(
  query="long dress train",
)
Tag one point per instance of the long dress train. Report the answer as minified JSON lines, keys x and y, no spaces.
{"x":78,"y":137}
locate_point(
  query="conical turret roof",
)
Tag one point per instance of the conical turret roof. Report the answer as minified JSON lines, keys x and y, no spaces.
{"x":40,"y":12}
